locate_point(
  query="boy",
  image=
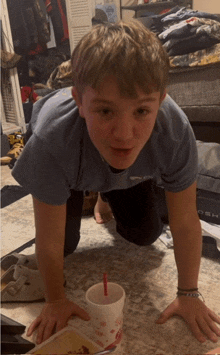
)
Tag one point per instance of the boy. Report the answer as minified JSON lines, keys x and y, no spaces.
{"x":121,"y":135}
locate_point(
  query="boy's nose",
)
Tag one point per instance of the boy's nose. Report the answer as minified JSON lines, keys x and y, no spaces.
{"x":123,"y":129}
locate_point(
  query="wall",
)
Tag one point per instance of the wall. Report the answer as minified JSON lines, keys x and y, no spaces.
{"x":212,"y":6}
{"x":128,"y":14}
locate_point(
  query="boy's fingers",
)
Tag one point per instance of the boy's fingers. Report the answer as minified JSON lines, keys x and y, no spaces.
{"x":40,"y":332}
{"x":214,"y":317}
{"x":196,"y":331}
{"x":206,"y":327}
{"x":60,"y":326}
{"x":33,"y":326}
{"x":78,"y":311}
{"x":167,"y":314}
{"x":48,"y":330}
{"x":212,"y":325}
{"x":47,"y":324}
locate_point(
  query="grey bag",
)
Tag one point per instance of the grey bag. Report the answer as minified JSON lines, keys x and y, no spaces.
{"x":208,"y":183}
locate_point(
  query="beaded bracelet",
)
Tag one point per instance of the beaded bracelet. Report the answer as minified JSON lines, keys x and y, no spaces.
{"x":187,"y":290}
{"x":188,"y":294}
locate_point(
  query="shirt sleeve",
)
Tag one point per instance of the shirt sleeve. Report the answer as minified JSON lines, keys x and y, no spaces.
{"x":40,"y":173}
{"x":183,"y":168}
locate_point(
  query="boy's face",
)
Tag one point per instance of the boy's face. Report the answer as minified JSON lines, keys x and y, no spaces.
{"x":119,"y":127}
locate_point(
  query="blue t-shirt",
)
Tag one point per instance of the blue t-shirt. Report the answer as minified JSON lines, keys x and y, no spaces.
{"x":60,"y":156}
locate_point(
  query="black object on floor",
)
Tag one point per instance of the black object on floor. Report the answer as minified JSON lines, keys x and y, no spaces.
{"x":209,"y":248}
{"x":9,"y":326}
{"x":11,"y":194}
{"x":11,"y":341}
{"x":5,"y":146}
{"x":15,"y":344}
{"x":22,"y":247}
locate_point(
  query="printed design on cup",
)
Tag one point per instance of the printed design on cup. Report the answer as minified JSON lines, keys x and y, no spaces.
{"x":103,"y":324}
{"x":117,"y":341}
{"x":100,"y":343}
{"x":100,"y":334}
{"x":118,"y":321}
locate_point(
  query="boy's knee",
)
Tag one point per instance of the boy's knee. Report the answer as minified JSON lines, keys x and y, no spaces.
{"x":140,"y":237}
{"x":72,"y":234}
{"x":71,"y":244}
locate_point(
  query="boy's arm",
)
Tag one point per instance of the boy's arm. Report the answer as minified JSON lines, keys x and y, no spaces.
{"x":187,"y":235}
{"x":186,"y":231}
{"x":50,"y":222}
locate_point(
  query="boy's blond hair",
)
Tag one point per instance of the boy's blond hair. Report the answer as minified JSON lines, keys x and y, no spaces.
{"x":127,"y":50}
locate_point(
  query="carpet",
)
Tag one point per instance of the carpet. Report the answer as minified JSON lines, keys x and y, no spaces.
{"x":148,"y":275}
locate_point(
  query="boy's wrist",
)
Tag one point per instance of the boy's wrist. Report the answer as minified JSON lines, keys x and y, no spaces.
{"x":57,"y":301}
{"x":54,"y":298}
{"x":187,"y":282}
{"x":55,"y":292}
{"x":192,"y":289}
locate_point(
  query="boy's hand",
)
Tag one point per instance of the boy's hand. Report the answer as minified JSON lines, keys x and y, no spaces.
{"x":54,"y":317}
{"x":201,"y":320}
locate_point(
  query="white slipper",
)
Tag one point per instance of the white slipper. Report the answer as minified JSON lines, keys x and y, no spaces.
{"x":21,"y":284}
{"x":20,"y":259}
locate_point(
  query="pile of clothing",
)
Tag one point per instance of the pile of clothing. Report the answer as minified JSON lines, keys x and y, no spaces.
{"x":29,"y":25}
{"x":190,"y":37}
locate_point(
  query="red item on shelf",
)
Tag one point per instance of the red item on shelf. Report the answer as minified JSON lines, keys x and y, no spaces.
{"x":28,"y":94}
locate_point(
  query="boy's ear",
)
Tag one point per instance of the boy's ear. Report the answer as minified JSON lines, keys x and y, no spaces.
{"x":78,"y":101}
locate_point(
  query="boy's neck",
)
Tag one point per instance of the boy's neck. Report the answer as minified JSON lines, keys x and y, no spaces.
{"x":116,"y":171}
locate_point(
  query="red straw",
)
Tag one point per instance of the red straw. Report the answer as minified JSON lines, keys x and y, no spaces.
{"x":105,"y":282}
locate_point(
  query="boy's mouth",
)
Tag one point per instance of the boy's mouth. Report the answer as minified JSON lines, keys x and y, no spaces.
{"x":120,"y":152}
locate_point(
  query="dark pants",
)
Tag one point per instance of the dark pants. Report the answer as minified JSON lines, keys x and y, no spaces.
{"x":136,"y":212}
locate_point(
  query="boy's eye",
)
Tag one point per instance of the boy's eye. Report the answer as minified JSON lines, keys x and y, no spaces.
{"x":143,"y":111}
{"x":105,"y":111}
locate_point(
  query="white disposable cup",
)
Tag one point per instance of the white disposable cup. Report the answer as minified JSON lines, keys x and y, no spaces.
{"x":106,"y":314}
